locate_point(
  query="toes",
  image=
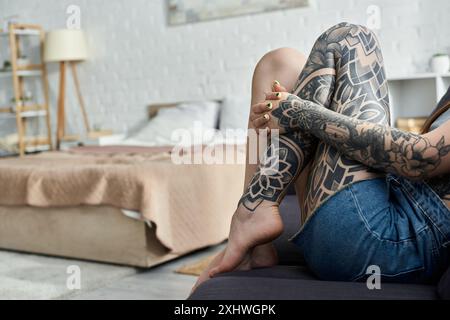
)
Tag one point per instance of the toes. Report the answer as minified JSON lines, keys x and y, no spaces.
{"x":232,"y":258}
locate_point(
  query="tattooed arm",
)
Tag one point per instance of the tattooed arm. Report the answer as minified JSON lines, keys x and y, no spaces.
{"x":375,"y":145}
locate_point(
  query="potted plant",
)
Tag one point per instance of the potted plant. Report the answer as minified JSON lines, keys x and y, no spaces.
{"x":27,"y":98}
{"x":6,"y":66}
{"x":440,"y":63}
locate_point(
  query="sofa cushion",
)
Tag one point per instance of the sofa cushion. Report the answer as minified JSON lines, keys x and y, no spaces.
{"x":291,"y":280}
{"x":297,"y":283}
{"x":288,"y":253}
{"x":444,"y":286}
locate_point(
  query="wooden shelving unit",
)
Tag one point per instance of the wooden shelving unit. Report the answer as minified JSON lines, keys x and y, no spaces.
{"x":18,"y":73}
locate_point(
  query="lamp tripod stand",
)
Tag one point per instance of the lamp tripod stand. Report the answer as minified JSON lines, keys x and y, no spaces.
{"x":61,"y":120}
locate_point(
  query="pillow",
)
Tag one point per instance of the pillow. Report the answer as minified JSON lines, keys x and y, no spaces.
{"x":197,"y":119}
{"x":234,"y":113}
{"x":444,"y":286}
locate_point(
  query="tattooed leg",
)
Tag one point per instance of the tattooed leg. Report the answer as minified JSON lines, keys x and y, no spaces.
{"x":283,"y":65}
{"x":316,"y":83}
{"x":283,"y":161}
{"x":257,"y":219}
{"x":345,"y":71}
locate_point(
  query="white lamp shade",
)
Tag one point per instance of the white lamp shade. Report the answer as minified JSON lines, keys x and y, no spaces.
{"x":65,"y":45}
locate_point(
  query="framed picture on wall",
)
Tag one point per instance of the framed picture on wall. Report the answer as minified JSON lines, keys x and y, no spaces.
{"x":190,"y":11}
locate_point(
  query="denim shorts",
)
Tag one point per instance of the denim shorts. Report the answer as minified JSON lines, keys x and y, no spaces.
{"x":400,"y":226}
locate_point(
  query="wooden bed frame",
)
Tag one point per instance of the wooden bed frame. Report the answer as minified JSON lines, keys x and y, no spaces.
{"x":99,"y":233}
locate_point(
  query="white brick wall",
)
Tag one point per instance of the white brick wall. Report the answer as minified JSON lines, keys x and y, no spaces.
{"x":137,"y":59}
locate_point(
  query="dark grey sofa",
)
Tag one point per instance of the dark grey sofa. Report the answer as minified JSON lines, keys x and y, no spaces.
{"x":291,"y":279}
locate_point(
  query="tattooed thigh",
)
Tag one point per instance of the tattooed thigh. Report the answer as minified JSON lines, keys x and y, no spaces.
{"x":359,"y":90}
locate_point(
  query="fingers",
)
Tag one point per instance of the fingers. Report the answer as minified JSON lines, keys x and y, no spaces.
{"x":260,"y":111}
{"x":262,"y":107}
{"x":260,"y":115}
{"x":230,"y":261}
{"x":273,"y":96}
{"x":261,"y":121}
{"x":277,"y":87}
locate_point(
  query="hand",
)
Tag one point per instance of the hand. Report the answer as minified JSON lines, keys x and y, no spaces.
{"x":260,"y":114}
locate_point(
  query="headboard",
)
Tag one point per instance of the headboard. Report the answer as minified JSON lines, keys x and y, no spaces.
{"x":154,"y":108}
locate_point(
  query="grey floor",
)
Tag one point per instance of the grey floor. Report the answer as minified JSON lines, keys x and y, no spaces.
{"x":160,"y":283}
{"x":29,"y":276}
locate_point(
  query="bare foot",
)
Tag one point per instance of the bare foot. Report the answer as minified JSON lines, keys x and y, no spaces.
{"x":249,"y":229}
{"x":205,"y":274}
{"x":262,"y":256}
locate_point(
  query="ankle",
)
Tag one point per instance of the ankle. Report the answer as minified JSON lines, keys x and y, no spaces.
{"x":267,"y":211}
{"x":252,"y":206}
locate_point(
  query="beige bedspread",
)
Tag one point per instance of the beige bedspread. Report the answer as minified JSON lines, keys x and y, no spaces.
{"x":190,"y":205}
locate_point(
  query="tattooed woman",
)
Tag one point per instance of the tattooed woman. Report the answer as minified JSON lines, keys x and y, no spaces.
{"x":370,"y":194}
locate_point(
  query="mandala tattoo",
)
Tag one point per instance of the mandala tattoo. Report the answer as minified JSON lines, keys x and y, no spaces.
{"x":283,"y":161}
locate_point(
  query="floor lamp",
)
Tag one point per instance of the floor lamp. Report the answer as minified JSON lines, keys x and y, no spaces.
{"x":66,"y":46}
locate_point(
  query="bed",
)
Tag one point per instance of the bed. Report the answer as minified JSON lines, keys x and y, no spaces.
{"x":116,"y":204}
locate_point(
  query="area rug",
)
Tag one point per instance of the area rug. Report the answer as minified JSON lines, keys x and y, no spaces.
{"x":197,"y":267}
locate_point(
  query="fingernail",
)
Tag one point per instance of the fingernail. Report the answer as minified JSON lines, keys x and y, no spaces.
{"x":276,"y":83}
{"x":266,"y":116}
{"x":269,"y":106}
{"x":278,"y":94}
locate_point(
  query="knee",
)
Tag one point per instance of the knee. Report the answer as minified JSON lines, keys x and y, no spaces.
{"x":341,"y":30}
{"x":281,"y":58}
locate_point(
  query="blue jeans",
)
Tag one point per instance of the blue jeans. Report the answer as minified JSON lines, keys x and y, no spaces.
{"x":399,"y":225}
